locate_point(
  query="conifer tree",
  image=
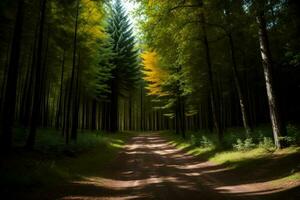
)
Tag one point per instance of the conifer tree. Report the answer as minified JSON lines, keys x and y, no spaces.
{"x":126,"y":72}
{"x":104,"y":70}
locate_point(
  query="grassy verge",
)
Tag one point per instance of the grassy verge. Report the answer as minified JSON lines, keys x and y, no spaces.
{"x":52,"y":162}
{"x":257,"y":154}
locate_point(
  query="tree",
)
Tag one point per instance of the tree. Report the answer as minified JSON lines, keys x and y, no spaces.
{"x":154,"y":74}
{"x":167,"y":83}
{"x":267,"y":61}
{"x":9,"y":103}
{"x":74,"y":64}
{"x":126,"y":72}
{"x":39,"y":69}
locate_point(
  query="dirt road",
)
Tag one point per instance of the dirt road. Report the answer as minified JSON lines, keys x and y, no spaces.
{"x":151,"y":168}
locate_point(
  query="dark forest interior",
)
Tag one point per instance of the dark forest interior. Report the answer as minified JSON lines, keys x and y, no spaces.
{"x":82,"y":82}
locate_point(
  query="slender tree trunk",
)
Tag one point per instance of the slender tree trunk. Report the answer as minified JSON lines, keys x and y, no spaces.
{"x":38,"y":81}
{"x":182,"y":117}
{"x":87,"y":114}
{"x":94,"y":109}
{"x":82,"y":113}
{"x":9,"y":103}
{"x":114,"y":119}
{"x":103,"y":116}
{"x":25,"y":91}
{"x":68,"y":110}
{"x":46,"y":105}
{"x":241,"y":96}
{"x":142,"y":111}
{"x":64,"y":120}
{"x":45,"y":85}
{"x":277,"y":123}
{"x":29,"y":93}
{"x":75,"y":109}
{"x":130,"y":113}
{"x":59,"y":109}
{"x":177,"y":117}
{"x":214,"y":107}
{"x":3,"y":85}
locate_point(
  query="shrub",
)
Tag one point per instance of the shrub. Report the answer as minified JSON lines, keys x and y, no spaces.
{"x":267,"y":143}
{"x":202,"y":141}
{"x":287,"y":140}
{"x":195,"y":140}
{"x":245,"y":145}
{"x":294,"y":134}
{"x":205,"y":142}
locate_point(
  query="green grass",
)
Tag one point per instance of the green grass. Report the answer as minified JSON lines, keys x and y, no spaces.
{"x":280,"y":163}
{"x":52,"y":162}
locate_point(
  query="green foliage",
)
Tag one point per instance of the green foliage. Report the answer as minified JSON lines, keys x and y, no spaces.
{"x":101,"y":75}
{"x":293,"y":133}
{"x":245,"y":145}
{"x":201,"y":141}
{"x":249,"y":157}
{"x":49,"y":141}
{"x":287,"y":140}
{"x":126,"y":64}
{"x":54,"y":163}
{"x":267,"y":143}
{"x":235,"y":139}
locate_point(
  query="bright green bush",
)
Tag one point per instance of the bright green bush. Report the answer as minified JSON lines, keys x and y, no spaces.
{"x":267,"y":143}
{"x":245,"y":145}
{"x":201,"y":141}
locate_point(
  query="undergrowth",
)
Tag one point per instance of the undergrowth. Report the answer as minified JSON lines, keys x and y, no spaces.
{"x":237,"y":149}
{"x":53,"y":162}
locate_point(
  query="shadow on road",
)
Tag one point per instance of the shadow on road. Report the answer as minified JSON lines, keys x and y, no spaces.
{"x":151,"y":168}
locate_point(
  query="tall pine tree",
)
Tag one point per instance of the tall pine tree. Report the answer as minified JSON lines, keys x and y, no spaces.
{"x":126,"y":72}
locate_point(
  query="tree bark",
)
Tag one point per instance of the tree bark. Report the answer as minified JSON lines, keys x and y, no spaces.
{"x":59,"y":108}
{"x":114,"y":119}
{"x":9,"y":103}
{"x":75,"y":112}
{"x":38,"y":79}
{"x":130,"y":112}
{"x":278,"y":127}
{"x":214,"y":107}
{"x":68,"y":110}
{"x":94,"y":109}
{"x":182,"y":116}
{"x":237,"y":83}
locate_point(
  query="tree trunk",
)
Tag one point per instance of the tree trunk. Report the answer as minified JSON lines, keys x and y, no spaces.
{"x":38,"y":79}
{"x":177,"y":117}
{"x":142,"y":111}
{"x":29,"y":93}
{"x":114,"y":119}
{"x":214,"y":107}
{"x":59,"y":109}
{"x":182,"y":117}
{"x":3,"y":85}
{"x":94,"y":109}
{"x":9,"y":103}
{"x":130,"y":112}
{"x":68,"y":110}
{"x":277,"y":123}
{"x":75,"y":110}
{"x":241,"y":96}
{"x":45,"y":86}
{"x":25,"y":91}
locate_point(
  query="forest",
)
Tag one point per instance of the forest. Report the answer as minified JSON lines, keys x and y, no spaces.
{"x":150,"y":99}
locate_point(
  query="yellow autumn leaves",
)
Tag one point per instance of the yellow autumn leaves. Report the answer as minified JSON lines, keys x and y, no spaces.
{"x":91,"y":16}
{"x":154,"y":74}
